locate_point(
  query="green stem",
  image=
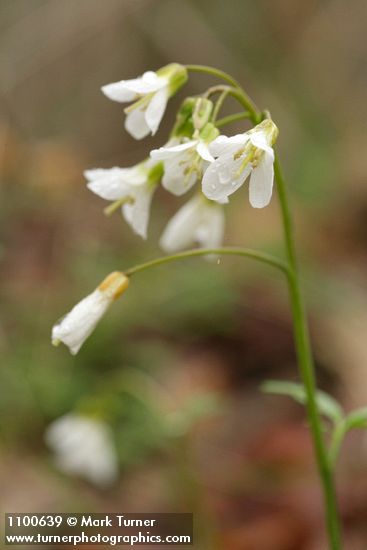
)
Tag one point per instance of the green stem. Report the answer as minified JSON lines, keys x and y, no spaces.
{"x":245,"y":252}
{"x":219,"y":88}
{"x":109,"y":210}
{"x":336,"y":441}
{"x":302,"y":340}
{"x":239,"y":95}
{"x":219,"y":104}
{"x":306,"y":366}
{"x":238,"y":91}
{"x":232,"y":118}
{"x":214,"y":72}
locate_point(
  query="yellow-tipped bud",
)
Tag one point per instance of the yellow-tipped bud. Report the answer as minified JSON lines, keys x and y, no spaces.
{"x":114,"y":284}
{"x":75,"y":327}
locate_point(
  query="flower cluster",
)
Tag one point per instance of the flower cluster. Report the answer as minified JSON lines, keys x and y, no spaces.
{"x":195,"y":153}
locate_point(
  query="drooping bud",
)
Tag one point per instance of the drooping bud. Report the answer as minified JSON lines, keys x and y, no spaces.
{"x":114,"y":285}
{"x":193,"y":114}
{"x":183,"y":126}
{"x":77,"y":325}
{"x":202,"y":112}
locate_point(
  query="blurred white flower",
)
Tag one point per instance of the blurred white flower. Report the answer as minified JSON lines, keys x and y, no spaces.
{"x":199,"y":221}
{"x":150,"y":94}
{"x":84,"y":446}
{"x":131,"y":188}
{"x":75,"y":327}
{"x":238,"y":157}
{"x":183,"y":163}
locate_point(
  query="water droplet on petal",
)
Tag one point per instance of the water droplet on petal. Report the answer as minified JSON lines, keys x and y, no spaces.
{"x":224,"y":175}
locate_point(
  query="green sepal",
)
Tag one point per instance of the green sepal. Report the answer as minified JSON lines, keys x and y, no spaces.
{"x":209,"y":133}
{"x":184,"y":126}
{"x":155,"y":173}
{"x":202,"y":112}
{"x":269,"y":127}
{"x":176,"y":74}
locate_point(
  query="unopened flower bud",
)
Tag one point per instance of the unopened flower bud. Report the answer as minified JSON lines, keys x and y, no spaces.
{"x":114,"y":285}
{"x":202,"y":112}
{"x":77,"y":325}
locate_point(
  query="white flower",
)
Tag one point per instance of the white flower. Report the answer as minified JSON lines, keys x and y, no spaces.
{"x":84,"y":446}
{"x":238,"y":157}
{"x":150,"y":93}
{"x":75,"y":327}
{"x":183,"y":164}
{"x":198,"y":221}
{"x":131,"y":188}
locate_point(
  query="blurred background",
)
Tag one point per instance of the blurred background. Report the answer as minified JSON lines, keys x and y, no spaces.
{"x":195,"y":339}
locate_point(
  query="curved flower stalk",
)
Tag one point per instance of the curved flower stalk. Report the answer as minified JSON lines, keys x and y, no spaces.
{"x":237,"y":158}
{"x":185,"y":162}
{"x":77,"y":325}
{"x":131,"y":189}
{"x":199,"y":221}
{"x":84,"y":446}
{"x":150,"y":94}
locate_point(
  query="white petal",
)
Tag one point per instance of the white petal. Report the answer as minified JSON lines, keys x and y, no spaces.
{"x":221,"y":178}
{"x":135,"y":175}
{"x":128,"y":90}
{"x":151,"y":82}
{"x":83,"y":446}
{"x":259,"y":140}
{"x":177,"y":160}
{"x":174,"y":178}
{"x":203,"y":150}
{"x":165,"y":152}
{"x":197,"y":222}
{"x":136,"y":125}
{"x":93,"y":174}
{"x":57,"y":431}
{"x":79,"y":323}
{"x":117,"y":91}
{"x":181,"y":229}
{"x":156,"y":109}
{"x":109,"y":184}
{"x":223,"y":145}
{"x":261,"y":181}
{"x":137,"y":214}
{"x":210,"y":233}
